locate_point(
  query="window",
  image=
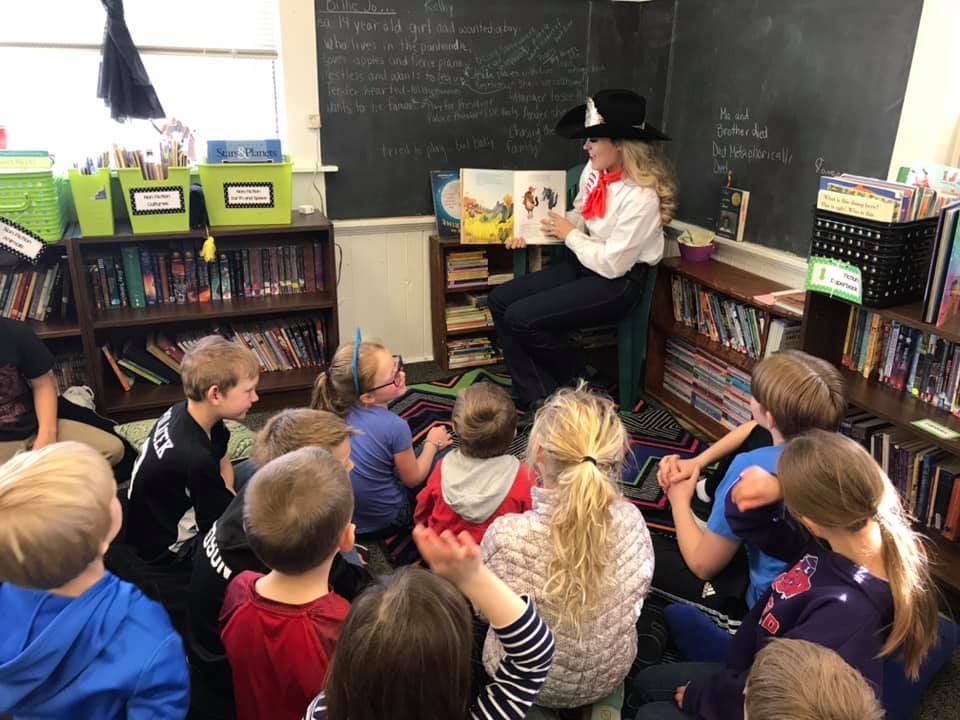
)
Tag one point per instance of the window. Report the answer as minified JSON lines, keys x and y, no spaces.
{"x":213,"y":64}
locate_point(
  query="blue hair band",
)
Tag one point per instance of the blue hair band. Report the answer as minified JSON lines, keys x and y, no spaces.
{"x":356,"y":358}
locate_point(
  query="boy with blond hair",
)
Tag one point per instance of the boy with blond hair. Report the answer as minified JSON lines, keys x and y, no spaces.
{"x":478,"y":482}
{"x":226,"y":552}
{"x":77,"y":642}
{"x":280,"y":629}
{"x":183,"y":480}
{"x":799,"y":680}
{"x":792,"y":392}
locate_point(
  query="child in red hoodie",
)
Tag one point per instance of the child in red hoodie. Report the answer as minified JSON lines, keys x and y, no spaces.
{"x":477,"y":483}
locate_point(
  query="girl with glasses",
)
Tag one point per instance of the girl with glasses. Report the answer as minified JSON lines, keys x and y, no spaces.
{"x":358,"y":385}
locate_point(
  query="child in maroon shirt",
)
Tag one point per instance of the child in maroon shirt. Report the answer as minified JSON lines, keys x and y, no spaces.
{"x":477,"y":483}
{"x":280,"y":629}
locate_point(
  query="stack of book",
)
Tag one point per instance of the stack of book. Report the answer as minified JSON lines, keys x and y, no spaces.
{"x":140,"y":277}
{"x":468,"y":317}
{"x":467,"y":269}
{"x":466,"y":352}
{"x":278,"y":345}
{"x":723,"y":320}
{"x":891,"y":202}
{"x":499,"y":278}
{"x":717,"y":389}
{"x":925,"y":476}
{"x":69,"y":369}
{"x":35,"y":294}
{"x":904,"y":358}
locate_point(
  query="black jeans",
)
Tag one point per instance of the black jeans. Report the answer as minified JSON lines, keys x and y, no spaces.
{"x":534,"y":313}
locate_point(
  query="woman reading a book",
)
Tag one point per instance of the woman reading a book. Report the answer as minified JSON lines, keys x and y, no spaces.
{"x":614,"y":234}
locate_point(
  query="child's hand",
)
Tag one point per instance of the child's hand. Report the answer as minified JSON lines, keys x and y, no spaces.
{"x":681,"y":493}
{"x":755,"y":488}
{"x":439,"y":436}
{"x":673,"y":469}
{"x":456,"y":558}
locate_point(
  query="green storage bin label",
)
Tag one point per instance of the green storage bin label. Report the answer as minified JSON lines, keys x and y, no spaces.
{"x":835,"y":278}
{"x":20,"y":241}
{"x":248,"y":195}
{"x":156,"y":200}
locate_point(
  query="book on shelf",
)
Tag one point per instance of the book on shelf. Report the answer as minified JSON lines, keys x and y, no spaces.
{"x":445,"y":185}
{"x":782,"y":335}
{"x":139,"y":277}
{"x":944,"y":285}
{"x":35,"y":293}
{"x":69,"y":368}
{"x":923,"y":475}
{"x":465,"y":352}
{"x":499,"y":205}
{"x":279,"y":345}
{"x":791,"y":301}
{"x":723,"y":320}
{"x":732,"y":219}
{"x":467,"y":269}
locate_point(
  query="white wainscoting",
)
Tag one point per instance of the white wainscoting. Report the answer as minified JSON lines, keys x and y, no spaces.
{"x":385,"y":283}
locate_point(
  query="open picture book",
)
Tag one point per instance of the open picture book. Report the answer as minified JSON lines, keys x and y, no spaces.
{"x":508,"y":204}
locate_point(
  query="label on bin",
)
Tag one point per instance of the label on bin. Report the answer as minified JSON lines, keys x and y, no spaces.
{"x":156,"y":200}
{"x":248,"y":194}
{"x":20,"y":241}
{"x":835,"y":278}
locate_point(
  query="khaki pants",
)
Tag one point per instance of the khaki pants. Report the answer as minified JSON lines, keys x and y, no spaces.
{"x":108,"y":444}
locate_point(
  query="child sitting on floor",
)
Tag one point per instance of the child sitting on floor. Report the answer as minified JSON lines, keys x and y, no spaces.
{"x":358,"y":384}
{"x":791,"y":392}
{"x":405,"y":649}
{"x":475,"y":484}
{"x":280,"y":629}
{"x":77,"y":642}
{"x":858,"y":581}
{"x":583,"y":552}
{"x":798,"y":680}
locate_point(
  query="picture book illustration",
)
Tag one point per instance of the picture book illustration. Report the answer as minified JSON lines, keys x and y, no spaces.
{"x":504,"y":204}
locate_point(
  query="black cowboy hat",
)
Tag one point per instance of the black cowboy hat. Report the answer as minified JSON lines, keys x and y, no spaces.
{"x":611,"y":114}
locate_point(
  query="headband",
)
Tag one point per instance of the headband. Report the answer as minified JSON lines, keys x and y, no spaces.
{"x":356,"y":358}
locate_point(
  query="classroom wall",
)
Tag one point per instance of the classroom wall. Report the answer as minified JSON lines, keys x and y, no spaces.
{"x":384,"y":284}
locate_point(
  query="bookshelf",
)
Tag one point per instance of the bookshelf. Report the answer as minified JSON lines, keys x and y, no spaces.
{"x":499,"y":260}
{"x":725,"y":280}
{"x":114,"y":325}
{"x":823,"y":334}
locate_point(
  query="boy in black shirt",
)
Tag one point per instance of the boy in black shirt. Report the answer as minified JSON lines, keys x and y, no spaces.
{"x":226,"y":552}
{"x":183,"y":480}
{"x":28,"y":399}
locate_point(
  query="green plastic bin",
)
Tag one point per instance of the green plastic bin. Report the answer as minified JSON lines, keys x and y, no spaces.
{"x":35,"y":201}
{"x":93,"y":201}
{"x":248,"y":193}
{"x":157,"y":205}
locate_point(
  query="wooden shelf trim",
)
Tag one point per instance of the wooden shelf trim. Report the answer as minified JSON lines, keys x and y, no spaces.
{"x":240,"y":307}
{"x":124,"y":234}
{"x":55,"y":329}
{"x":485,"y":330}
{"x":719,"y":350}
{"x":144,"y":396}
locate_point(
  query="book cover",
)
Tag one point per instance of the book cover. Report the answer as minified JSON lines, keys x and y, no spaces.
{"x":446,"y":201}
{"x":125,"y":380}
{"x":139,"y":371}
{"x":225,"y":282}
{"x":121,"y":281}
{"x":204,"y":293}
{"x":244,"y":151}
{"x":162,"y":265}
{"x":136,"y":291}
{"x":318,"y":263}
{"x":153,"y":347}
{"x":96,"y":283}
{"x":110,"y":286}
{"x":215,"y":289}
{"x":733,"y":213}
{"x":137,"y":354}
{"x":256,"y":272}
{"x":245,"y":269}
{"x":148,"y":277}
{"x":948,"y":312}
{"x":178,"y":278}
{"x":869,"y":208}
{"x":190,"y":276}
{"x":309,"y":269}
{"x":937,"y":177}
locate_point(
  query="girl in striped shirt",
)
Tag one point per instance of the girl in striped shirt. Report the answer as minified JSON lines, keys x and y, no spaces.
{"x":404,"y":651}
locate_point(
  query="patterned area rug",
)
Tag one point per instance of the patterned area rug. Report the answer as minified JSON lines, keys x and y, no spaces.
{"x":653,"y":434}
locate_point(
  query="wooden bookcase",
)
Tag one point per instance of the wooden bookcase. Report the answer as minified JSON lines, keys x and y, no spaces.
{"x":500,"y":259}
{"x":824,"y":329}
{"x":276,"y":389}
{"x":723,"y":279}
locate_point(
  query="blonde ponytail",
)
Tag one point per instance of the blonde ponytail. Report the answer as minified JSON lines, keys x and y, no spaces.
{"x":334,"y":390}
{"x":833,"y":481}
{"x":914,"y":595}
{"x":579,"y":442}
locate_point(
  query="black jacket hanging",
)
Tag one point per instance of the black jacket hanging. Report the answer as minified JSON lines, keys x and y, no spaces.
{"x":124,"y":84}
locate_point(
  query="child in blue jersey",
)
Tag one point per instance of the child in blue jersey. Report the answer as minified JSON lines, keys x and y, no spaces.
{"x":358,"y":385}
{"x":791,"y":392}
{"x":77,"y":642}
{"x":857,"y":583}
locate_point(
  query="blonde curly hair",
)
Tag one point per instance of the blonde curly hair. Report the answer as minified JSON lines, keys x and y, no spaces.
{"x":647,"y":165}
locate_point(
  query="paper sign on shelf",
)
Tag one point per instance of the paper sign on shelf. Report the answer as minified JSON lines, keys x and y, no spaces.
{"x":19,"y":240}
{"x":835,"y":278}
{"x":935,"y":428}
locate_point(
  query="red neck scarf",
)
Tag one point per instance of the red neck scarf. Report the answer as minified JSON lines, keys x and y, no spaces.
{"x":596,"y":204}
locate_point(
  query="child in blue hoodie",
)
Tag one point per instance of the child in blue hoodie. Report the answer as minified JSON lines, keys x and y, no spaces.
{"x":857,"y":582}
{"x":77,"y":642}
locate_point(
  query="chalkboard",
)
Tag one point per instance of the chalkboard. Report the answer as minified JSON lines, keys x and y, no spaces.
{"x":409,"y":86}
{"x":780,"y":92}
